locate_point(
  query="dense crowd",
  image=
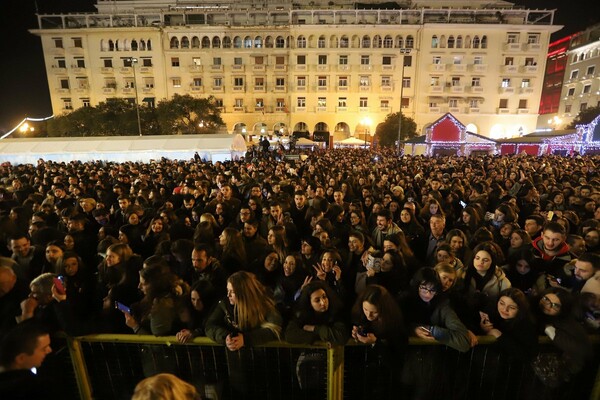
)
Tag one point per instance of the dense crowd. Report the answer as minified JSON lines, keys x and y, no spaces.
{"x":337,"y":245}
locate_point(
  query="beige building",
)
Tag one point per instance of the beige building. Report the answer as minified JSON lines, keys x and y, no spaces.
{"x":323,"y":67}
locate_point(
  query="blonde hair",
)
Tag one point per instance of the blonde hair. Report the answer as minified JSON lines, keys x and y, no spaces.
{"x":164,"y":387}
{"x":253,"y":303}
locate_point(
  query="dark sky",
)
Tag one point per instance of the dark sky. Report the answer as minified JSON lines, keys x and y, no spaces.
{"x":23,"y":85}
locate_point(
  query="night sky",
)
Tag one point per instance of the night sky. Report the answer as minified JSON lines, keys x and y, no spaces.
{"x":23,"y":86}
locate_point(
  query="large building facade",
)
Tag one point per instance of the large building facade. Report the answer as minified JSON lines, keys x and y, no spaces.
{"x":332,"y":67}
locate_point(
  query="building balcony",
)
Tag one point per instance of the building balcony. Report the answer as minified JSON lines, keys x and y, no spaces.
{"x":476,"y":89}
{"x":363,"y":109}
{"x":280,"y":109}
{"x":523,"y":111}
{"x":197,"y":89}
{"x":529,"y":69}
{"x":459,"y":67}
{"x":503,"y":111}
{"x":320,"y":109}
{"x":280,"y":88}
{"x":76,"y":51}
{"x":280,"y":68}
{"x":300,"y":109}
{"x":342,"y":88}
{"x":79,"y":70}
{"x":82,"y":89}
{"x":322,"y":88}
{"x":512,"y":46}
{"x":509,"y":89}
{"x":260,"y":89}
{"x":238,"y":67}
{"x":387,"y":88}
{"x":218,"y":89}
{"x":457,"y":89}
{"x":436,"y":89}
{"x":533,"y":46}
{"x":239,"y":109}
{"x":148,"y":89}
{"x":341,"y":109}
{"x":526,"y":90}
{"x":63,"y":90}
{"x":301,"y":67}
{"x":259,"y":109}
{"x":322,"y":68}
{"x":194,"y":68}
{"x":473,"y":110}
{"x":259,"y":68}
{"x":344,"y":67}
{"x":216,"y":68}
{"x":437,"y":67}
{"x":148,"y":69}
{"x":384,"y":109}
{"x":435,"y":110}
{"x":366,"y":67}
{"x":509,"y":69}
{"x":239,"y":88}
{"x":109,"y":90}
{"x":126,"y":70}
{"x":301,"y":88}
{"x":128,"y":90}
{"x":59,"y":70}
{"x":106,"y":70}
{"x":57,"y":51}
{"x":455,"y":110}
{"x":387,"y":67}
{"x":479,"y":67}
{"x":365,"y":88}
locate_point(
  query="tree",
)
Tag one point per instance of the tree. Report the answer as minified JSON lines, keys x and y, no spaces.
{"x":585,"y":117}
{"x":387,"y":131}
{"x":186,"y":115}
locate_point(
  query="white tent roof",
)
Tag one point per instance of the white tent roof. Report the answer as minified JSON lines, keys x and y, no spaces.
{"x":305,"y":142}
{"x":351,"y":141}
{"x":122,"y":148}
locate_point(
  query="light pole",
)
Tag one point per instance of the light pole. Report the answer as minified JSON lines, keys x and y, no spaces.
{"x":133,"y":61}
{"x":403,"y":53}
{"x":366,"y":123}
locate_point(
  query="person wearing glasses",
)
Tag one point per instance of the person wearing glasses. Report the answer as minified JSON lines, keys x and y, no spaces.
{"x":571,"y":348}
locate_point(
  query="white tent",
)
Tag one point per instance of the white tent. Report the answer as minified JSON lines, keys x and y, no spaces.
{"x":351,"y":141}
{"x":123,"y":148}
{"x":305,"y":142}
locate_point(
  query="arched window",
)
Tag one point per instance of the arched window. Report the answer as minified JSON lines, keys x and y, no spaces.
{"x":226,"y":42}
{"x":388,"y":42}
{"x":301,"y":42}
{"x":366,"y":42}
{"x":459,"y":42}
{"x":484,"y":42}
{"x":280,"y":42}
{"x":399,"y":42}
{"x":111,"y":45}
{"x":321,"y":127}
{"x":269,"y":42}
{"x":134,"y":45}
{"x":142,"y":44}
{"x":103,"y":45}
{"x":258,"y":42}
{"x":333,"y":42}
{"x":443,"y":42}
{"x":410,"y":42}
{"x":321,"y":43}
{"x":467,"y":42}
{"x":451,"y":41}
{"x":185,"y":42}
{"x":195,"y":42}
{"x":237,"y":42}
{"x":377,"y":42}
{"x":476,"y":42}
{"x":344,"y":42}
{"x":434,"y":42}
{"x":301,"y":127}
{"x":247,"y":42}
{"x":205,"y":42}
{"x":174,"y":43}
{"x":355,"y":42}
{"x":216,"y":42}
{"x":149,"y":44}
{"x":126,"y":45}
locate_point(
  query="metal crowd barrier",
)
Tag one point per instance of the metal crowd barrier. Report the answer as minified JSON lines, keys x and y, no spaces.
{"x":109,"y":366}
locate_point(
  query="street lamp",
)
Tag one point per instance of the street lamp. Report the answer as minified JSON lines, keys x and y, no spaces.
{"x":133,"y":61}
{"x":403,"y":53}
{"x":366,"y":123}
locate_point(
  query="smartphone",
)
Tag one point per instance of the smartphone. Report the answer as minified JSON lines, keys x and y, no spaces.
{"x":426,"y":330}
{"x":462,"y":204}
{"x":122,"y":307}
{"x":410,"y":199}
{"x":550,"y":215}
{"x":362,"y":331}
{"x":59,"y":283}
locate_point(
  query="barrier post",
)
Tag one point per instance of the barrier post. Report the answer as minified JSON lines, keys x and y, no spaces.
{"x":335,"y":373}
{"x":81,"y":373}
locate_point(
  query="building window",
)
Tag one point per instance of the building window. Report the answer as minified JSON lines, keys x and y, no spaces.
{"x":530,"y":61}
{"x":322,"y":81}
{"x":456,"y":81}
{"x":321,"y":42}
{"x":259,"y":82}
{"x":322,"y":59}
{"x":239,"y":103}
{"x":259,"y":60}
{"x":342,"y":102}
{"x":58,"y":43}
{"x":77,"y":42}
{"x":216,"y":61}
{"x":478,"y":60}
{"x":280,"y":60}
{"x":175,"y":62}
{"x":302,"y":42}
{"x":473,"y":103}
{"x":587,"y":89}
{"x":322,"y":102}
{"x":509,"y":61}
{"x":61,"y":63}
{"x":505,"y":82}
{"x":533,"y":38}
{"x":343,"y":81}
{"x":503,"y":103}
{"x":512,"y":37}
{"x":407,"y":61}
{"x":219,"y":102}
{"x":365,"y":60}
{"x":197,"y":61}
{"x":365,"y":81}
{"x":386,"y":81}
{"x":567,"y":108}
{"x":435,"y":81}
{"x":590,"y":70}
{"x":475,"y":81}
{"x":405,"y":102}
{"x":217,"y":82}
{"x":176,"y":82}
{"x":574,"y":74}
{"x":238,"y":81}
{"x":343,"y":60}
{"x":363,"y":102}
{"x":453,"y":103}
{"x":301,"y":102}
{"x":237,"y":61}
{"x":301,"y":60}
{"x":108,"y":63}
{"x":435,"y":42}
{"x":523,"y":103}
{"x":525,"y":83}
{"x":197,"y":82}
{"x":147,"y":62}
{"x":583,"y":107}
{"x":80,"y":63}
{"x":64,"y":83}
{"x":280,"y":103}
{"x":86,"y":102}
{"x":457,"y":60}
{"x":67,"y":104}
{"x":259,"y":103}
{"x":385,"y":104}
{"x":301,"y":81}
{"x":279,"y":81}
{"x":437,"y":60}
{"x":386,"y":60}
{"x":571,"y":92}
{"x":406,"y":82}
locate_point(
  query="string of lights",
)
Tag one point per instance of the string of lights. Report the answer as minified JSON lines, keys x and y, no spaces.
{"x":23,"y":123}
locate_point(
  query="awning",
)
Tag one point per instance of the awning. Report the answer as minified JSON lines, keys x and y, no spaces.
{"x":147,"y":99}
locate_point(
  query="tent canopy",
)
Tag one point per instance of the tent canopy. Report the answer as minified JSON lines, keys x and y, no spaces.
{"x":351,"y":141}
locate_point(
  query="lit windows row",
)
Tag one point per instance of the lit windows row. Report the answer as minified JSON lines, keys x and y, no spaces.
{"x":587,"y":89}
{"x":591,"y":70}
{"x":342,"y":102}
{"x":436,"y":80}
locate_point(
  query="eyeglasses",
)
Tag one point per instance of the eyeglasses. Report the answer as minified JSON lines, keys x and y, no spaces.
{"x":427,"y":290}
{"x":555,"y":306}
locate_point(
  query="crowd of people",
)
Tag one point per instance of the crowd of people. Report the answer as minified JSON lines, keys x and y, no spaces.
{"x":339,"y":245}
